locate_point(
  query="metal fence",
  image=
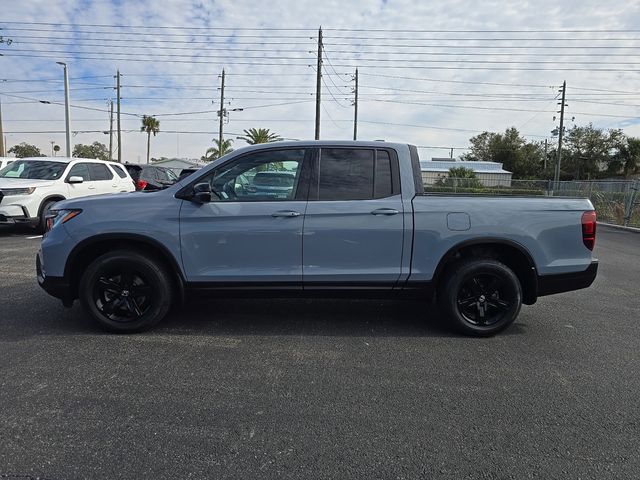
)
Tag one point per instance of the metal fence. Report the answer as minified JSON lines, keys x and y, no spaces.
{"x":616,"y":201}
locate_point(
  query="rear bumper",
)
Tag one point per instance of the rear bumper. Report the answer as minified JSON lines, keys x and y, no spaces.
{"x":567,"y":282}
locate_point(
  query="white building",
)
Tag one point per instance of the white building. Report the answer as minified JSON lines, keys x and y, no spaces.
{"x":491,"y":174}
{"x":177,"y":164}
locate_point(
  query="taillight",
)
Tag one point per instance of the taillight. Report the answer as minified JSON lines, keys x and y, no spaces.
{"x":589,"y":229}
{"x":141,"y":185}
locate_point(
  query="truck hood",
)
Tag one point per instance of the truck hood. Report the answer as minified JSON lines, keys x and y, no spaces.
{"x":24,"y":183}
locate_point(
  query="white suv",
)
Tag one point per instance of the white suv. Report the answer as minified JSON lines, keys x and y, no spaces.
{"x":30,"y":186}
{"x":4,"y":161}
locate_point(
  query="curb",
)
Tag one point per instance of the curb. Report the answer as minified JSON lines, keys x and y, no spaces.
{"x":620,"y":227}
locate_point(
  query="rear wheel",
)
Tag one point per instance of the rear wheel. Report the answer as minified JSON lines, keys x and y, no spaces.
{"x":126,"y":291}
{"x":480,"y":297}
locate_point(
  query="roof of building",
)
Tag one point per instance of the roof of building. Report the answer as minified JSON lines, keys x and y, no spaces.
{"x":478,"y":167}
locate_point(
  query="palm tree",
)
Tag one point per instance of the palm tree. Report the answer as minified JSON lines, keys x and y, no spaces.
{"x":218,"y":151}
{"x":254,"y":136}
{"x":150,"y":125}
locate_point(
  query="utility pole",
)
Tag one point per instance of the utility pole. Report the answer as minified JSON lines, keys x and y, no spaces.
{"x":451,"y":153}
{"x":221,"y":113}
{"x":119,"y":125}
{"x":355,"y":111}
{"x":2,"y":154}
{"x":560,"y":135}
{"x":67,"y":119}
{"x":546,"y":142}
{"x":318,"y":84}
{"x":110,"y":130}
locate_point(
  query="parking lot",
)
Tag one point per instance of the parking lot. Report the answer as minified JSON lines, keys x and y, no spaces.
{"x":322,"y":389}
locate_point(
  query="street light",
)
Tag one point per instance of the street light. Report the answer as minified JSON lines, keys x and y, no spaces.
{"x":66,"y":107}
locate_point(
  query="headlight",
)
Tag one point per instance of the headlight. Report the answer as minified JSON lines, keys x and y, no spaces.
{"x":56,"y":217}
{"x":18,"y":191}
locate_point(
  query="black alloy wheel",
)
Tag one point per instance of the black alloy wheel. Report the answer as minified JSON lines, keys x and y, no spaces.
{"x":126,"y":291}
{"x":480,"y":296}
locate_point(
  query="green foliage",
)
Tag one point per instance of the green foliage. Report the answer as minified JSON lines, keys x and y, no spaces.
{"x":626,"y":161}
{"x":459,"y":177}
{"x":254,"y":136}
{"x":525,"y":159}
{"x":95,"y":150}
{"x":589,"y":152}
{"x":24,"y":150}
{"x":218,"y":150}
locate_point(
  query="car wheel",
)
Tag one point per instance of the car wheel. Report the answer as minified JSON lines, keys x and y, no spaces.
{"x":42,"y":219}
{"x":126,"y":291}
{"x":480,"y":297}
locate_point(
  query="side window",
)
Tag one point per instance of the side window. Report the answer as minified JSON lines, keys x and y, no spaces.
{"x":346,"y":174}
{"x":80,"y":170}
{"x":119,"y":170}
{"x":99,"y":171}
{"x":271,"y":175}
{"x":383,"y":183}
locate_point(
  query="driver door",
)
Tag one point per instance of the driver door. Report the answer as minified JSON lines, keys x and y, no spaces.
{"x":249,"y":235}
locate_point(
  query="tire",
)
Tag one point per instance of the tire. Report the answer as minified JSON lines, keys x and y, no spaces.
{"x":42,"y":218}
{"x":480,"y":297}
{"x":126,"y":291}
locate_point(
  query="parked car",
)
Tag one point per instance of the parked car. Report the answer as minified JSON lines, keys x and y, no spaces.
{"x":150,"y":177}
{"x":30,"y":186}
{"x":271,"y":184}
{"x":355,"y":221}
{"x":185,"y":172}
{"x":4,"y":161}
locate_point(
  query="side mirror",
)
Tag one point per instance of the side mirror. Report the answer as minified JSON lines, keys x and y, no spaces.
{"x":75,"y":179}
{"x":202,"y":192}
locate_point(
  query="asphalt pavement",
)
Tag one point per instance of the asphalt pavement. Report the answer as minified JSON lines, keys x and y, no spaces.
{"x":311,"y":389}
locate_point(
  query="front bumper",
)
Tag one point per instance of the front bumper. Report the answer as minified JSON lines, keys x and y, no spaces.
{"x":57,"y":287}
{"x":15,"y":214}
{"x":567,"y":282}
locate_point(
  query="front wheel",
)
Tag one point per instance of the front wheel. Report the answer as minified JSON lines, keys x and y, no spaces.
{"x":480,"y":296}
{"x":126,"y":291}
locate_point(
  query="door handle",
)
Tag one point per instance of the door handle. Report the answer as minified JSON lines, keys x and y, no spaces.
{"x":385,"y":211}
{"x":286,"y":213}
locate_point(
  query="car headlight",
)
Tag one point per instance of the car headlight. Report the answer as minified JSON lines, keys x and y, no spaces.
{"x":18,"y":191}
{"x":56,"y":217}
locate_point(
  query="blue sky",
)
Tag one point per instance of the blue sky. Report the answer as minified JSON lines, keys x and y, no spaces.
{"x":424,"y":99}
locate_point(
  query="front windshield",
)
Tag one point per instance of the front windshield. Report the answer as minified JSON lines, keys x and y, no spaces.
{"x":33,"y":169}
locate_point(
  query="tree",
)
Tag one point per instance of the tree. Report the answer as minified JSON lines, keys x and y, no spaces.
{"x":462,"y":177}
{"x":24,"y":150}
{"x":626,"y":160}
{"x":149,"y":125}
{"x":218,"y":151}
{"x":254,"y":136}
{"x":588,"y":151}
{"x":95,"y":150}
{"x":524,"y":159}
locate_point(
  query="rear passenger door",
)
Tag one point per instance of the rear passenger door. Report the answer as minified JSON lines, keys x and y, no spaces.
{"x":122,"y":182}
{"x":101,"y":179}
{"x":353,"y":229}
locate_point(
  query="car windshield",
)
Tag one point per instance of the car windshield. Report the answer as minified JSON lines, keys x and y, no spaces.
{"x":34,"y":169}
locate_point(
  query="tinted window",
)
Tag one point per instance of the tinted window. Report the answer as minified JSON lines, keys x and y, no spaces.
{"x":383,"y":184}
{"x":119,"y":170}
{"x":80,"y":170}
{"x":134,"y":172}
{"x":34,"y":169}
{"x":346,"y":174}
{"x":262,"y":176}
{"x":99,"y":171}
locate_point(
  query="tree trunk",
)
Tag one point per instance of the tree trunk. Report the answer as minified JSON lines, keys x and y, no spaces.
{"x":148,"y":145}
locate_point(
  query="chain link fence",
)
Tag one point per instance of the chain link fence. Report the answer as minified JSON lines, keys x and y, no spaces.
{"x":616,"y":201}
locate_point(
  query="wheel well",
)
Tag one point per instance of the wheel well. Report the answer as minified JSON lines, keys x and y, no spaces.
{"x":81,"y":258}
{"x":53,"y":198}
{"x":513,"y":257}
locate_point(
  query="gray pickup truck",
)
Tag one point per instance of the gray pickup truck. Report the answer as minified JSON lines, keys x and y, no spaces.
{"x":353,"y":220}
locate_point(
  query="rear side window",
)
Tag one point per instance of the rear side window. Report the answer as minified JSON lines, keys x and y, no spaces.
{"x":99,"y":171}
{"x":134,"y":173}
{"x":345,"y":174}
{"x":80,"y":170}
{"x":383,"y":183}
{"x":119,"y":170}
